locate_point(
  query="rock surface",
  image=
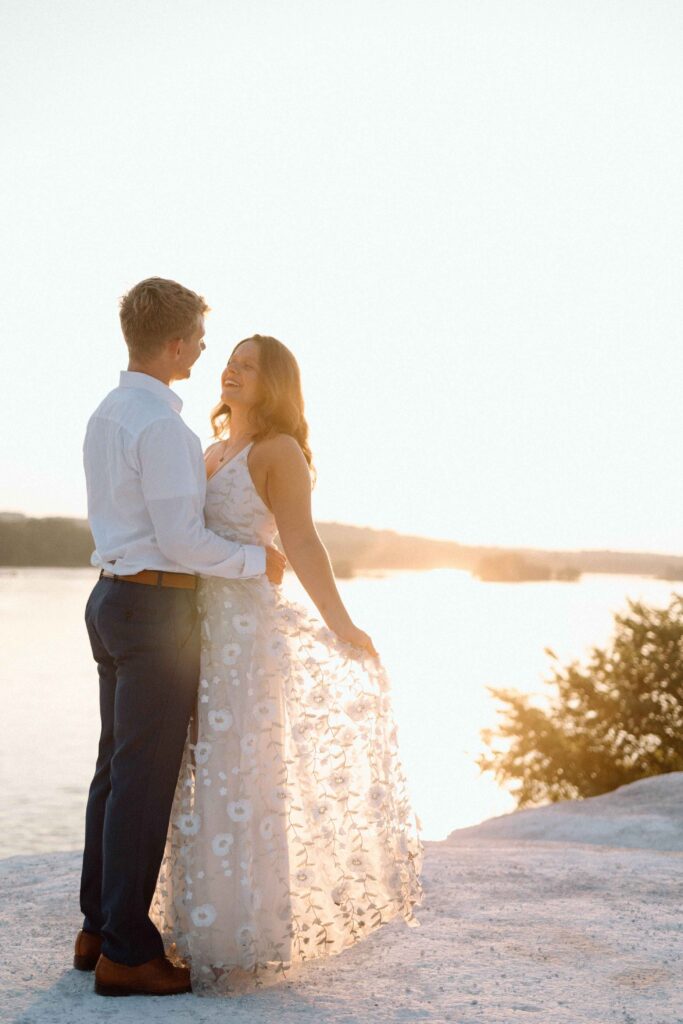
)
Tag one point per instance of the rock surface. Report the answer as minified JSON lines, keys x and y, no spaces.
{"x":647,"y":814}
{"x":522,"y":920}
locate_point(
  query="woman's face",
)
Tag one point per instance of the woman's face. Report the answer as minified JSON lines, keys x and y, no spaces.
{"x":240,"y":378}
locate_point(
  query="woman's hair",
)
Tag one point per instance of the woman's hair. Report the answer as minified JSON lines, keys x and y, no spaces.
{"x":280,"y":408}
{"x":156,"y":310}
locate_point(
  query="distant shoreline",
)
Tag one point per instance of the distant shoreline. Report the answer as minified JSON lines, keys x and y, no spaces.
{"x":59,"y":542}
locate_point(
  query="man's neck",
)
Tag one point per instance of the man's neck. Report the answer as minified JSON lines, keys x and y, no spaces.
{"x":158,"y":372}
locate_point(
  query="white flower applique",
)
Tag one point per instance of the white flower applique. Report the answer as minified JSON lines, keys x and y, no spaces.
{"x":240,"y":810}
{"x":204,"y":916}
{"x":189,"y":824}
{"x":220,"y":720}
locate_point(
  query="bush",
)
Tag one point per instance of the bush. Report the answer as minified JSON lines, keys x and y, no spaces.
{"x":615,"y":721}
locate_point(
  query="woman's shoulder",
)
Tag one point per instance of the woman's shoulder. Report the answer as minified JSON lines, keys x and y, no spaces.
{"x":278,"y":448}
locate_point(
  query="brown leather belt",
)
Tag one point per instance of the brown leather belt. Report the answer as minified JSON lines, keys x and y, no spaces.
{"x":155,"y":578}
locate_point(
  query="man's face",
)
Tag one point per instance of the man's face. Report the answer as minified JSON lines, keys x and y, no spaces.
{"x":189,"y":350}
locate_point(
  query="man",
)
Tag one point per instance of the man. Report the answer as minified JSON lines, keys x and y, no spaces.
{"x":146,"y":485}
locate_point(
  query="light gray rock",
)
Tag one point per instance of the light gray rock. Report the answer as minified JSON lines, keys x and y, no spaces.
{"x":511,"y":928}
{"x":647,"y":814}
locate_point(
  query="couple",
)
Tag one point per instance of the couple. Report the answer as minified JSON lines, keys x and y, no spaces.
{"x":248,"y":792}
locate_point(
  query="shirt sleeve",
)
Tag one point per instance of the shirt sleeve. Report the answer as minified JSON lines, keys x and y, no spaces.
{"x":168,"y":474}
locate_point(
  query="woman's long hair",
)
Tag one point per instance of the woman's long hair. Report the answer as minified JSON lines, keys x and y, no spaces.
{"x":280,"y":409}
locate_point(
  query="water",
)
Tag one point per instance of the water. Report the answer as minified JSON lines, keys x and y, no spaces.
{"x":443,"y":636}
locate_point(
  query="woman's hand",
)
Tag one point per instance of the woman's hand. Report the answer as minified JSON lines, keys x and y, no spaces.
{"x":353,"y":635}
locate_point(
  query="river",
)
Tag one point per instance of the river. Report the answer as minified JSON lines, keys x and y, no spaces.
{"x":443,"y":636}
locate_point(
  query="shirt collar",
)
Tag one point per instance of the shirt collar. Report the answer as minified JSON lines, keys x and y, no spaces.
{"x":134,"y":379}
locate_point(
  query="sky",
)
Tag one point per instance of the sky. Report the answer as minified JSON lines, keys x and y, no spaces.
{"x":464,"y":218}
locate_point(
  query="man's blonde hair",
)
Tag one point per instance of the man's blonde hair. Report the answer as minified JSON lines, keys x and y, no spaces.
{"x":156,"y":310}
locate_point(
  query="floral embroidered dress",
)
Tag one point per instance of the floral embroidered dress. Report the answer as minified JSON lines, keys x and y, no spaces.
{"x":292,"y":834}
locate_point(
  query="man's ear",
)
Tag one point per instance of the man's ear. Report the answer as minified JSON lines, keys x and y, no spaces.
{"x":173,"y":347}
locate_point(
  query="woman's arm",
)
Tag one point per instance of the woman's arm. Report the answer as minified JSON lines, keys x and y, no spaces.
{"x":288,"y":489}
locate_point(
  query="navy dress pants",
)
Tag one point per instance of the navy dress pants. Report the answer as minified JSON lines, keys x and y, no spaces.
{"x":145,"y":640}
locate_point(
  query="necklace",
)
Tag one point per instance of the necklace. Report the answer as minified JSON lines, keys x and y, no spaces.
{"x":224,"y":455}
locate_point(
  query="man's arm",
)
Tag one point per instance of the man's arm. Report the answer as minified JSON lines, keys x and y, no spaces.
{"x":168,"y":473}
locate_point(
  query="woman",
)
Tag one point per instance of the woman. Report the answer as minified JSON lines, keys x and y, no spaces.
{"x":292,"y":834}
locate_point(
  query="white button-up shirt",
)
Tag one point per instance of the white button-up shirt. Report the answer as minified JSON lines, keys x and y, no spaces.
{"x":146,"y":485}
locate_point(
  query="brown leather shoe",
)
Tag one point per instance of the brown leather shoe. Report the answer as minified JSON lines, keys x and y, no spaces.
{"x":86,"y":951}
{"x":157,"y":977}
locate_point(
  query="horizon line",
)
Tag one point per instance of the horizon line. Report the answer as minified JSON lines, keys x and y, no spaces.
{"x":7,"y":514}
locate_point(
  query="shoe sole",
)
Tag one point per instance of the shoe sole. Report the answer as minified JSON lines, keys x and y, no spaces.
{"x":111,"y":990}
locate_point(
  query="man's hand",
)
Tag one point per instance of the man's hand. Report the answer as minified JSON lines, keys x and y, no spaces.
{"x":275,"y":565}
